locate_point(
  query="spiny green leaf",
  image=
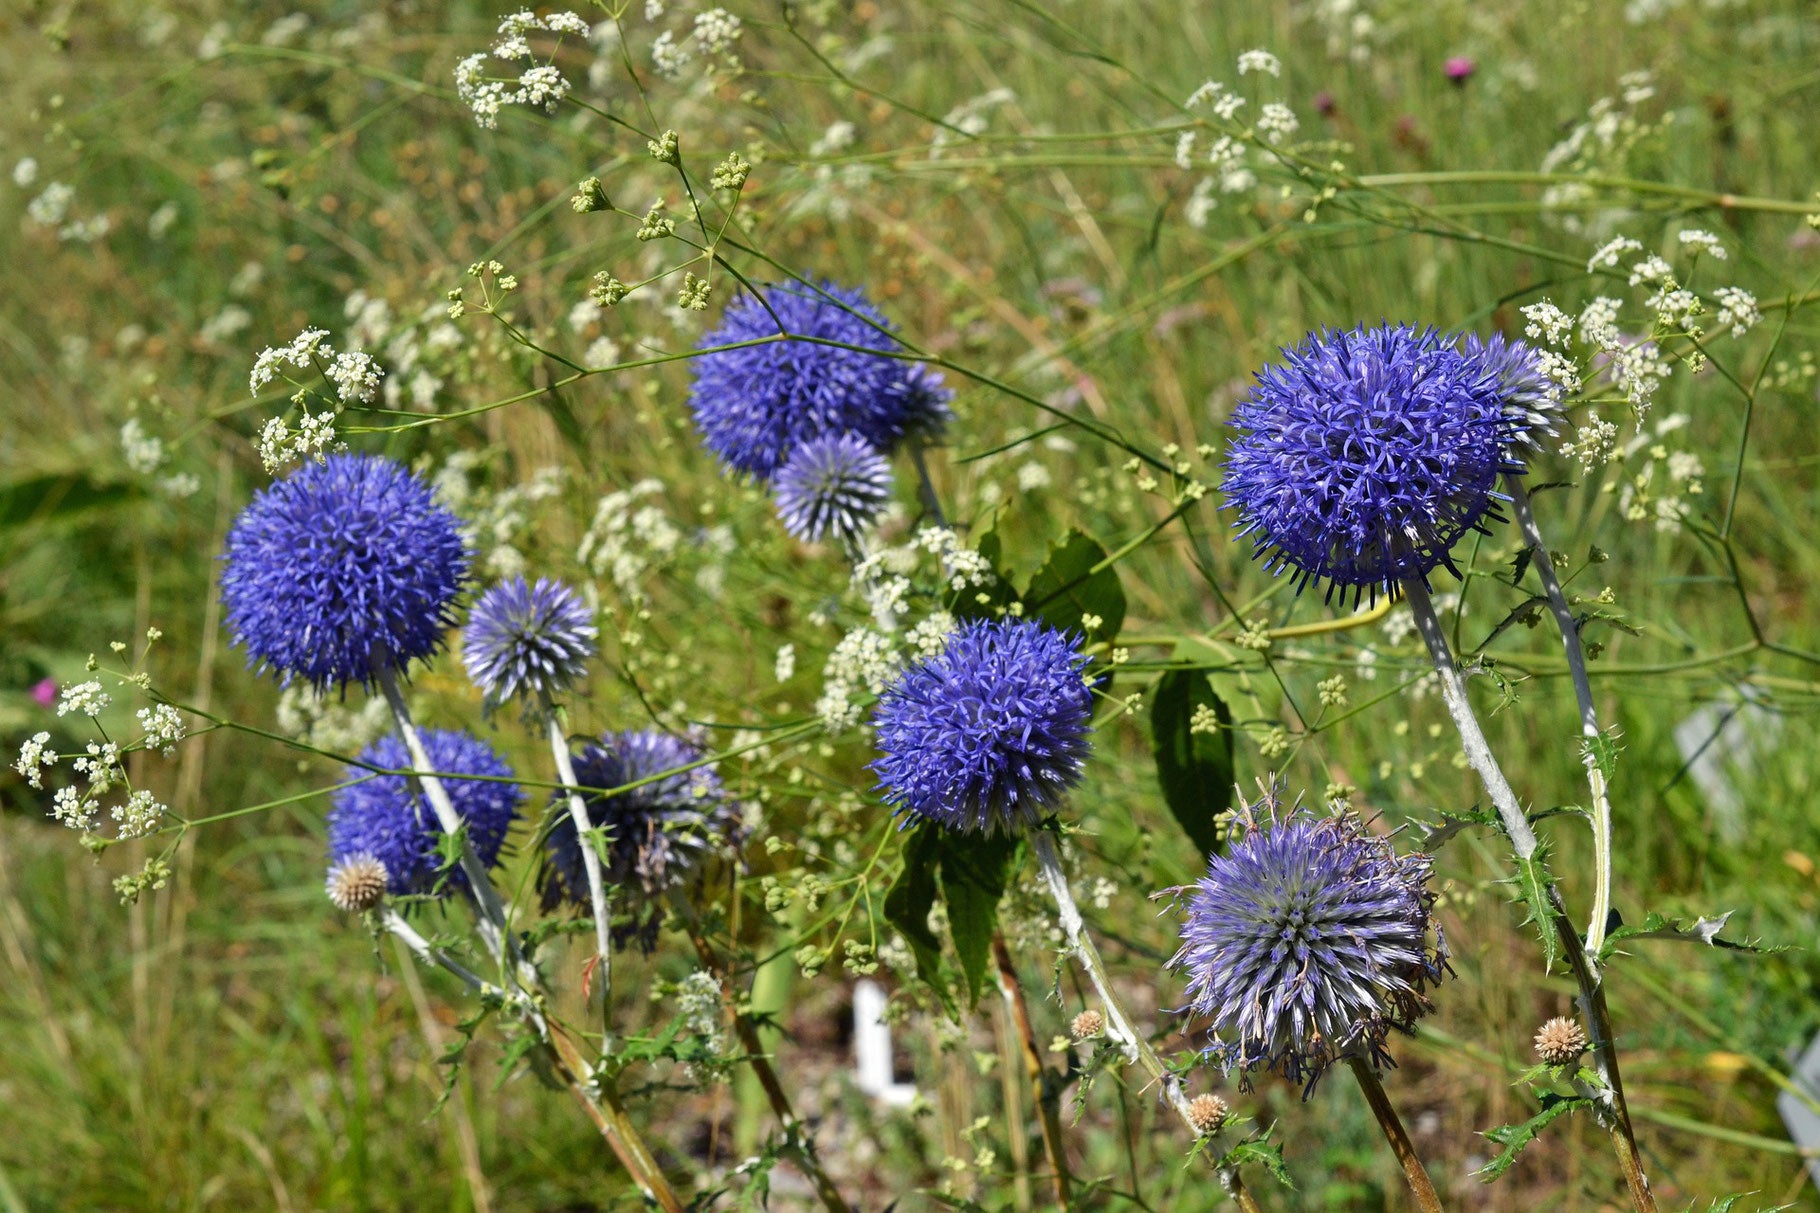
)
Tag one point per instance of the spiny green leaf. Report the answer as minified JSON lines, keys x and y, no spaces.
{"x":1066,"y":590}
{"x":1515,"y":1137}
{"x":1193,"y":769}
{"x":1533,"y":883}
{"x":1702,"y":930}
{"x":1434,"y":835}
{"x":1602,"y":752}
{"x":1265,"y":1154}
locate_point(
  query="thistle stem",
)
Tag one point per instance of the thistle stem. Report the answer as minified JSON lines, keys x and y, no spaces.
{"x":1400,"y":1145}
{"x":925,"y":487}
{"x":599,"y":1097}
{"x":590,"y":860}
{"x":492,"y":912}
{"x":804,"y":1151}
{"x":1575,"y":652}
{"x":1523,"y":842}
{"x":1018,"y":1010}
{"x":1136,"y":1048}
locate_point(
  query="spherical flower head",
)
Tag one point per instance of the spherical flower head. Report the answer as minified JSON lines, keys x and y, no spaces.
{"x":1460,"y":68}
{"x":1365,"y":456}
{"x":386,"y":818}
{"x":356,"y":884}
{"x":927,"y":410}
{"x":341,"y":570}
{"x":1560,"y":1041}
{"x":1306,"y":942}
{"x":833,"y":485}
{"x":659,"y":832}
{"x":989,"y":734}
{"x":1511,"y":371}
{"x":756,"y":405}
{"x":525,"y":639}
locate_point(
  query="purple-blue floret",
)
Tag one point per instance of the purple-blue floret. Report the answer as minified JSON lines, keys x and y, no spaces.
{"x":387,"y":817}
{"x":1365,"y":455}
{"x":341,"y":570}
{"x":988,"y":735}
{"x":1307,"y":942}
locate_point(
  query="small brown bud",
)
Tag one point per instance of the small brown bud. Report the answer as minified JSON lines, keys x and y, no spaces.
{"x":1207,"y":1113}
{"x":1560,"y":1041}
{"x":357,"y":883}
{"x":1087,"y":1024}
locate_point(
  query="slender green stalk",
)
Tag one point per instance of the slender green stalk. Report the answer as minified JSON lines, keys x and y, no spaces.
{"x":1575,"y":653}
{"x":590,"y":863}
{"x":1137,"y":1049}
{"x":1381,"y":1107}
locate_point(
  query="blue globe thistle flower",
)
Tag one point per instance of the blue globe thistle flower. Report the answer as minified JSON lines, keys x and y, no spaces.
{"x":756,"y":405}
{"x":525,"y":639}
{"x":1512,"y":370}
{"x":987,"y":735}
{"x":1306,"y":942}
{"x":832,"y":485}
{"x":659,"y":832}
{"x":342,"y":569}
{"x":1367,"y":454}
{"x":926,"y":411}
{"x":386,"y":818}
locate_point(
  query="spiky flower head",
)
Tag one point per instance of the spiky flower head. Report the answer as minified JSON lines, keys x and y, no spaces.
{"x":1365,"y":456}
{"x":341,"y":570}
{"x":525,"y":639}
{"x":356,"y":884}
{"x":1306,"y":942}
{"x":757,"y":404}
{"x":989,"y":734}
{"x":926,"y":412}
{"x":834,"y":485}
{"x":657,"y":833}
{"x":1560,"y":1041}
{"x":1207,"y":1113}
{"x":386,"y":818}
{"x":1087,"y":1024}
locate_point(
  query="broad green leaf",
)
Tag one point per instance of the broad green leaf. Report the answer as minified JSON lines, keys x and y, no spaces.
{"x":1066,"y":590}
{"x":1515,"y":1137}
{"x":911,"y":898}
{"x":974,"y":874}
{"x":1193,"y":769}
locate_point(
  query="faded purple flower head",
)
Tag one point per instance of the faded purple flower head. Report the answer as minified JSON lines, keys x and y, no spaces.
{"x":1460,"y":68}
{"x":342,"y":569}
{"x":1324,"y":104}
{"x":757,"y":404}
{"x":44,"y":693}
{"x":833,"y":485}
{"x":1306,"y":942}
{"x":658,"y":833}
{"x":989,"y":734}
{"x":525,"y":639}
{"x":386,"y":818}
{"x":1365,"y":455}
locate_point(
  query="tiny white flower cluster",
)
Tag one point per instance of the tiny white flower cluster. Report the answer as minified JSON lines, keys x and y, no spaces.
{"x":301,"y":353}
{"x":356,"y":376}
{"x":85,"y":697}
{"x":1226,"y":105}
{"x":79,"y":808}
{"x":538,"y":84}
{"x":1276,"y":122}
{"x":34,"y":755}
{"x":1702,"y":242}
{"x":785,"y":668}
{"x":163,"y":728}
{"x":280,"y":446}
{"x":627,"y":538}
{"x":144,"y":453}
{"x":865,"y":659}
{"x":1611,"y":129}
{"x":327,"y":723}
{"x":1657,"y":491}
{"x":968,"y":119}
{"x":930,"y":636}
{"x":1737,"y":310}
{"x":712,"y":40}
{"x":1259,"y":61}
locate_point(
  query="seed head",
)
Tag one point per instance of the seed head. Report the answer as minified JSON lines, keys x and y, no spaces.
{"x":357,"y":883}
{"x":1560,"y":1041}
{"x":1207,"y":1113}
{"x":1087,"y":1025}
